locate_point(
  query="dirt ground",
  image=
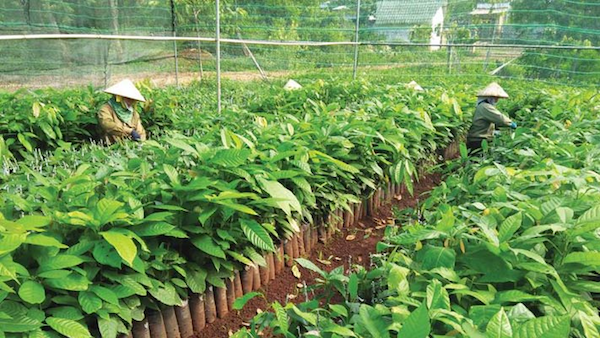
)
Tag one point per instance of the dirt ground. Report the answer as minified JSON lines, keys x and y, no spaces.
{"x":338,"y":251}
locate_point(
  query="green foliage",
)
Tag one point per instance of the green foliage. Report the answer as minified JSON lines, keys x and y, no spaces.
{"x":506,"y":246}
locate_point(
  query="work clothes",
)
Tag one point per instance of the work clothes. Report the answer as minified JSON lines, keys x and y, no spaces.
{"x":114,"y":129}
{"x":485,"y":120}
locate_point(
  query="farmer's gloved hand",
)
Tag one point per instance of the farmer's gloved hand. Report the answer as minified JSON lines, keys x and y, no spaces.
{"x":135,"y":135}
{"x":513,"y":125}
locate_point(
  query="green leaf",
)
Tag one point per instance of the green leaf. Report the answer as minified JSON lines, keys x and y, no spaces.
{"x":282,"y":317}
{"x":231,"y":157}
{"x":417,"y":324}
{"x":257,"y":235}
{"x":108,"y":327}
{"x":67,"y":327}
{"x":196,"y":280}
{"x":66,"y":312}
{"x":437,"y":296}
{"x":90,"y":303}
{"x":105,"y":294}
{"x":286,"y":200}
{"x":340,"y":330}
{"x":240,"y":302}
{"x":447,"y":222}
{"x":237,"y":207}
{"x":32,"y":222}
{"x":547,"y":327}
{"x":59,"y":262}
{"x":9,"y":243}
{"x":339,"y":309}
{"x":73,"y":282}
{"x":584,"y":258}
{"x":172,"y":173}
{"x":123,"y":244}
{"x":207,"y":245}
{"x":182,"y":145}
{"x":239,"y":257}
{"x":305,"y":263}
{"x":152,"y":229}
{"x":106,"y":211}
{"x":373,"y":323}
{"x":44,"y":240}
{"x":19,"y":324}
{"x":499,"y":326}
{"x":509,"y":227}
{"x":32,"y":292}
{"x":353,"y":287}
{"x":432,"y":257}
{"x":311,"y":318}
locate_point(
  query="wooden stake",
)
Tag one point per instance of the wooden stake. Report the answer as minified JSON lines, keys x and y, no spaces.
{"x":141,"y":329}
{"x":247,"y":279}
{"x":289,"y":252}
{"x":264,"y":274}
{"x":184,"y":319}
{"x":198,"y":312}
{"x":271,"y":264}
{"x":230,"y":292}
{"x":279,"y":259}
{"x":221,"y":302}
{"x":307,"y":240}
{"x":295,"y":246}
{"x":171,"y":325}
{"x":209,"y":306}
{"x":156,"y":324}
{"x":257,"y":283}
{"x":239,"y":291}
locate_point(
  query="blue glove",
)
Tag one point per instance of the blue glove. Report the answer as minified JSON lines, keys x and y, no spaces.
{"x":135,"y":135}
{"x":513,"y":125}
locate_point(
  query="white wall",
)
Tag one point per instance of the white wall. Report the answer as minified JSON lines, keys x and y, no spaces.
{"x":437,"y":26}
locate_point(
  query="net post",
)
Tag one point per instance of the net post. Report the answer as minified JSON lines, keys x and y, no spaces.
{"x":218,"y":41}
{"x":174,"y":29}
{"x":356,"y":30}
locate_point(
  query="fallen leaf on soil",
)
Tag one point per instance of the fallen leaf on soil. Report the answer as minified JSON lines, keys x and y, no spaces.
{"x":259,"y":311}
{"x":368,"y":231}
{"x":361,"y":224}
{"x":350,"y":237}
{"x":398,"y":197}
{"x":338,"y":259}
{"x":380,"y":226}
{"x":323,"y":261}
{"x":290,"y":296}
{"x":300,"y":285}
{"x":296,"y":271}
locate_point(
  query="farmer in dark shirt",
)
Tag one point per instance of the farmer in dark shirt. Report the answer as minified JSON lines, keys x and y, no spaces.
{"x":487,"y":117}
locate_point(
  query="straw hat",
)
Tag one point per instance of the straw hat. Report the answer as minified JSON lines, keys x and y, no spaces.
{"x":415,"y":86}
{"x":493,"y":90}
{"x":127,"y":89}
{"x":292,"y":85}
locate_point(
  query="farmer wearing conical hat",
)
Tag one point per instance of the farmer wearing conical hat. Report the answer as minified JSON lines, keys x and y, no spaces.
{"x":487,"y":117}
{"x":118,"y":118}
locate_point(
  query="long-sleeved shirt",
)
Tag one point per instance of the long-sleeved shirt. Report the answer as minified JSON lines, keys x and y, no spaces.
{"x":485,"y":120}
{"x":113,"y":129}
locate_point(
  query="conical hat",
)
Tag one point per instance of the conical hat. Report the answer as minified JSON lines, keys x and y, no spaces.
{"x":127,"y":89}
{"x":415,"y":86}
{"x":292,"y":85}
{"x":493,"y":90}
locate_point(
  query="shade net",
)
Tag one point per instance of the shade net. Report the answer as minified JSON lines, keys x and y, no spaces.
{"x":554,"y":41}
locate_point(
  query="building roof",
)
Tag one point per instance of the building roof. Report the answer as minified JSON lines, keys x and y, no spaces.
{"x":485,"y":8}
{"x":391,"y":12}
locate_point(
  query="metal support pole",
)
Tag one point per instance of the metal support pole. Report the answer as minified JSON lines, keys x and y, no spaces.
{"x":356,"y":30}
{"x":174,"y":28}
{"x":218,"y":40}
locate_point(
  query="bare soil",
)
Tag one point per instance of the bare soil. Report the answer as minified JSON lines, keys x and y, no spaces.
{"x":338,"y":251}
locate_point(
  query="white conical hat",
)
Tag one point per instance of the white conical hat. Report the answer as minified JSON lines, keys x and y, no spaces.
{"x":292,"y":85}
{"x":127,"y":89}
{"x":493,"y":90}
{"x":415,"y":86}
